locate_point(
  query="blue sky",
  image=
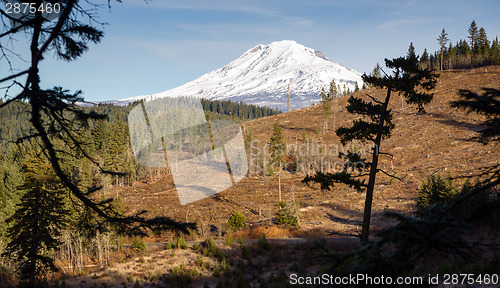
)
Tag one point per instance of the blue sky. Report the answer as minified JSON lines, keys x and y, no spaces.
{"x":155,"y":46}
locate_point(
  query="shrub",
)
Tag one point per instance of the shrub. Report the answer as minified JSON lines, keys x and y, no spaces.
{"x":138,"y":244}
{"x":229,"y":239}
{"x":210,"y":249}
{"x":245,"y":251}
{"x":436,"y":190}
{"x":475,"y":204}
{"x":196,"y":247}
{"x":236,"y":221}
{"x":181,"y":243}
{"x":223,"y":265}
{"x":216,"y":271}
{"x":285,"y":216}
{"x":199,"y":261}
{"x":170,"y":245}
{"x":263,"y":243}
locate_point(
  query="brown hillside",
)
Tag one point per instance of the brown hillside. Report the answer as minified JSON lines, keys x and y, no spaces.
{"x":437,"y":142}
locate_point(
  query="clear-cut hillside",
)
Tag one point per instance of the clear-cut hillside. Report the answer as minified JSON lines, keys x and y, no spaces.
{"x":420,"y":145}
{"x":263,"y":74}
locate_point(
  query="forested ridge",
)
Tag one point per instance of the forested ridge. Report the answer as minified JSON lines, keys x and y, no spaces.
{"x":476,"y":50}
{"x":109,"y":146}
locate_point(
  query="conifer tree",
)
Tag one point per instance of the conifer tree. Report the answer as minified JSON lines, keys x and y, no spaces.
{"x":495,"y":51}
{"x":38,"y":220}
{"x":325,"y":101}
{"x":277,"y":149}
{"x":376,"y":72}
{"x":425,"y":56}
{"x":442,"y":39}
{"x":473,"y":39}
{"x":414,"y":83}
{"x":483,"y":43}
{"x":411,"y":50}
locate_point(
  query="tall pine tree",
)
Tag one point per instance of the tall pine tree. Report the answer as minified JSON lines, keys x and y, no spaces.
{"x":473,"y":39}
{"x":325,"y":101}
{"x":277,"y":149}
{"x":442,"y":39}
{"x":414,"y":83}
{"x":38,"y":220}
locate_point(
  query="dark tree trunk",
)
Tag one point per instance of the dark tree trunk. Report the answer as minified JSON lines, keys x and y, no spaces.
{"x":365,"y":231}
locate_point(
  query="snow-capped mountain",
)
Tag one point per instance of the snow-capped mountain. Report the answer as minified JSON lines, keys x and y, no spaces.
{"x":263,"y":74}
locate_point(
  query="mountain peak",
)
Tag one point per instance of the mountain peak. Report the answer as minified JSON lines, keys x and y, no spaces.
{"x":263,"y":74}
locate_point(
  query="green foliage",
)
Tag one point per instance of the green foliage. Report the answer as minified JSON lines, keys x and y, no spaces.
{"x":414,"y":83}
{"x":354,"y":162}
{"x":216,"y":271}
{"x":198,"y":261}
{"x":479,"y":205}
{"x":210,"y":249}
{"x":229,"y":239}
{"x":286,"y":216}
{"x":245,"y":251}
{"x":477,"y":51}
{"x":223,"y":265}
{"x":181,"y":243}
{"x":236,"y":221}
{"x":108,"y":143}
{"x":138,"y":244}
{"x":263,"y":243}
{"x":170,"y":245}
{"x":38,"y":220}
{"x":235,"y":110}
{"x":196,"y":247}
{"x":413,"y":242}
{"x":442,"y":39}
{"x":376,"y":72}
{"x":277,"y":146}
{"x":325,"y":101}
{"x":436,"y":190}
{"x":180,"y":277}
{"x":11,"y":177}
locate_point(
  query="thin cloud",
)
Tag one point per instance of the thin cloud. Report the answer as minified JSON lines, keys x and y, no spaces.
{"x":249,"y":7}
{"x":398,"y":23}
{"x":214,"y":5}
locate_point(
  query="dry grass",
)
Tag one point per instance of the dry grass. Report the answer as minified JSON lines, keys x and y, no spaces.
{"x":420,"y":144}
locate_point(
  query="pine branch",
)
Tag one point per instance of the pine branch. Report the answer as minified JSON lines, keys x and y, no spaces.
{"x":374,"y":99}
{"x":12,"y":77}
{"x":330,"y":179}
{"x":57,"y":28}
{"x":386,"y":153}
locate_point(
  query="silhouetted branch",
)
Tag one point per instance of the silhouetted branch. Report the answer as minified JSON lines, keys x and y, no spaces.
{"x":374,"y":100}
{"x":390,"y":175}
